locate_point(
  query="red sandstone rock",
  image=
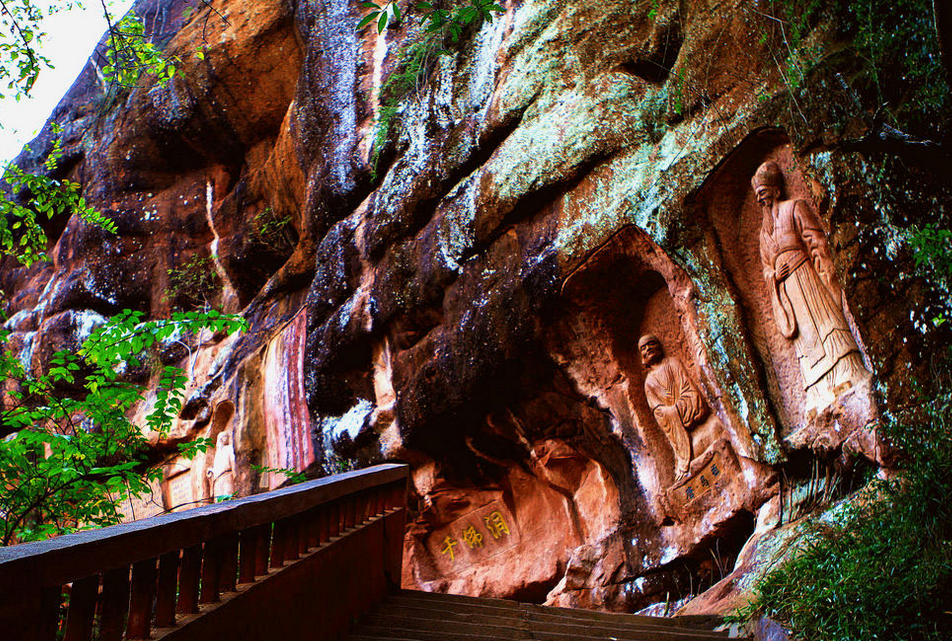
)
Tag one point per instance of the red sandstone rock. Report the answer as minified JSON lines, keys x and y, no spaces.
{"x":543,"y":202}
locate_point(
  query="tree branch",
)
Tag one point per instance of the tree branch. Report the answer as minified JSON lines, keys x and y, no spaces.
{"x":942,"y":15}
{"x":883,"y":138}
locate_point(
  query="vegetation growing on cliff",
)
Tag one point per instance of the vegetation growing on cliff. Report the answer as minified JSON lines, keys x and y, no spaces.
{"x":441,"y":31}
{"x":72,"y":455}
{"x":884,"y":41}
{"x":881,"y":567}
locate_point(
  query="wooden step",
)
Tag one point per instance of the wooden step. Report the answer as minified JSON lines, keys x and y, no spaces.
{"x":434,"y":600}
{"x":426,"y":616}
{"x":516,"y":628}
{"x":530,"y":619}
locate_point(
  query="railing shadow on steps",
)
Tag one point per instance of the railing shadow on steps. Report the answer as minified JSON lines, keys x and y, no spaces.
{"x":300,"y":562}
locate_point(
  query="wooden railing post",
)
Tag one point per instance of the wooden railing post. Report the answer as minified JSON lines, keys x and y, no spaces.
{"x":247,"y":550}
{"x":331,"y":545}
{"x":140,"y":604}
{"x":115,"y":604}
{"x":211,"y":570}
{"x":82,"y":609}
{"x":229,"y":563}
{"x":165,"y":594}
{"x":190,"y":574}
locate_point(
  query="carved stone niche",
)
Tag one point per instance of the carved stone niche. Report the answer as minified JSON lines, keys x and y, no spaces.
{"x":768,"y":219}
{"x":626,"y":290}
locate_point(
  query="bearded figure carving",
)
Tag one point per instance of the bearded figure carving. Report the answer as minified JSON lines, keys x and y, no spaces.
{"x":807,"y":303}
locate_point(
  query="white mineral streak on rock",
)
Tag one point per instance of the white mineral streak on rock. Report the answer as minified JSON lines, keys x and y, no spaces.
{"x":26,"y":352}
{"x":85,"y":322}
{"x":229,"y":291}
{"x":343,"y":44}
{"x":284,"y":402}
{"x":348,"y":424}
{"x":485,"y":57}
{"x":456,"y":233}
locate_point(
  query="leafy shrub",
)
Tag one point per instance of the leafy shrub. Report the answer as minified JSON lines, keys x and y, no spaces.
{"x":932,"y":247}
{"x":442,"y":32}
{"x":193,"y":284}
{"x":68,"y":461}
{"x":22,"y":235}
{"x":880,"y":567}
{"x":895,"y":44}
{"x":272,"y":231}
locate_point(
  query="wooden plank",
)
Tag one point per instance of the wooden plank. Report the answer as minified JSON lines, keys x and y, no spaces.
{"x":190,"y":572}
{"x":82,"y":609}
{"x":143,"y":594}
{"x":362,"y":505}
{"x":246,"y":555}
{"x":114,"y":604}
{"x":167,"y":589}
{"x":378,"y":501}
{"x":291,"y":531}
{"x":335,"y":519}
{"x":64,"y":558}
{"x":262,"y":548}
{"x":304,"y":533}
{"x":349,"y":510}
{"x":48,"y":619}
{"x":394,"y":528}
{"x":313,"y":528}
{"x":229,"y":563}
{"x":323,"y":523}
{"x":211,"y":570}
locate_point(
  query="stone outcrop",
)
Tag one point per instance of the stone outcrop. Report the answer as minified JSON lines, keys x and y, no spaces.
{"x":467,"y":293}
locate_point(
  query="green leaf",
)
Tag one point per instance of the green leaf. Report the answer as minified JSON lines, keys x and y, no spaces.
{"x":370,"y":17}
{"x":382,"y":22}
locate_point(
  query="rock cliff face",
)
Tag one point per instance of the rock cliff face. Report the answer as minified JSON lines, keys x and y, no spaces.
{"x":467,"y":294}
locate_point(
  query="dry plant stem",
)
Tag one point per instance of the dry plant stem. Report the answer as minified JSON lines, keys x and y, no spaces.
{"x":942,"y":13}
{"x":881,"y":137}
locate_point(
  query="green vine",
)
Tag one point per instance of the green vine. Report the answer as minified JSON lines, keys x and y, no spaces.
{"x":442,"y":33}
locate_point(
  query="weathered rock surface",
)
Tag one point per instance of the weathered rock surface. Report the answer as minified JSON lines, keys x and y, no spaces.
{"x":576,"y":177}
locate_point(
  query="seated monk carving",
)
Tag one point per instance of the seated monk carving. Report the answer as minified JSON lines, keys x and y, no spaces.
{"x":673,"y":398}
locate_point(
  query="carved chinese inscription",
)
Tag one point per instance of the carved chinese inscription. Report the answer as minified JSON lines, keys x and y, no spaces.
{"x":706,"y":479}
{"x":673,"y":398}
{"x":180,"y":492}
{"x":806,"y":300}
{"x":475,"y":537}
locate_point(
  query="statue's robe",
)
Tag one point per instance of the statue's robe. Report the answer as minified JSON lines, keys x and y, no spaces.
{"x":677,"y":406}
{"x":807,"y":305}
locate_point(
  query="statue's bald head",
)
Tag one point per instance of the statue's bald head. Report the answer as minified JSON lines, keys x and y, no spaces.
{"x":650,"y":348}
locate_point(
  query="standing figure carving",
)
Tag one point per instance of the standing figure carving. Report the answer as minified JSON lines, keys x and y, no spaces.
{"x":222,"y":474}
{"x":806,"y":301}
{"x":673,"y":398}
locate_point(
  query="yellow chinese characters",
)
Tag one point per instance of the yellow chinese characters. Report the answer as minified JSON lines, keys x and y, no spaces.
{"x":449,"y":544}
{"x":472,"y":538}
{"x":496,"y":524}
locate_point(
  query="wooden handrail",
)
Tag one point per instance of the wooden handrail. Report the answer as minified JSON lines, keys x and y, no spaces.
{"x":132,"y":578}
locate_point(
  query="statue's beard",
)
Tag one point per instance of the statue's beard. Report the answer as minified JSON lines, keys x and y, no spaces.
{"x":767,"y":211}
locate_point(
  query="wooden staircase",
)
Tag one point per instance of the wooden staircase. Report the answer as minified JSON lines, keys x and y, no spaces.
{"x":426,"y":616}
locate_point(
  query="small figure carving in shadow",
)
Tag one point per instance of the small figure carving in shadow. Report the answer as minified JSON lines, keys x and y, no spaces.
{"x":673,"y":398}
